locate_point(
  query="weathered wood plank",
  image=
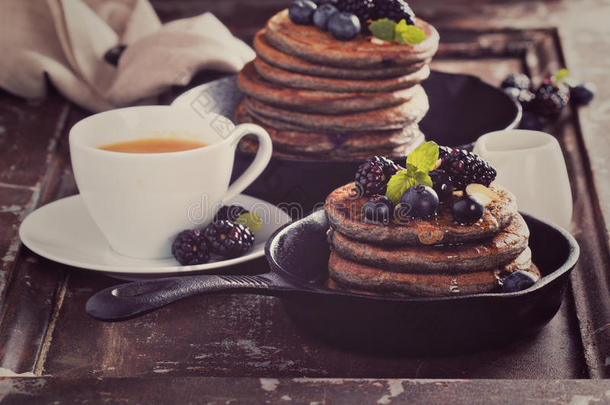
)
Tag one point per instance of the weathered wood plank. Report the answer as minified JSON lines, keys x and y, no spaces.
{"x":187,"y":391}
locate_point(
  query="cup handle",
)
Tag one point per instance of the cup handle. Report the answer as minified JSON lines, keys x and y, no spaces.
{"x":263,"y":155}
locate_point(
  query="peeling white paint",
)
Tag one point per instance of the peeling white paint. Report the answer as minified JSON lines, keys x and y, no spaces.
{"x":163,"y":370}
{"x":5,"y":372}
{"x":395,"y":387}
{"x":286,"y":398}
{"x":269,"y":384}
{"x":583,"y":399}
{"x":325,"y":380}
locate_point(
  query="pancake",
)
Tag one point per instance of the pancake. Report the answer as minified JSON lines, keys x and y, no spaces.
{"x":317,"y":46}
{"x":298,"y":141}
{"x":362,"y":277}
{"x":396,"y":117}
{"x":301,"y":81}
{"x":344,"y":210}
{"x":294,"y":64}
{"x":316,"y":101}
{"x":503,"y":248}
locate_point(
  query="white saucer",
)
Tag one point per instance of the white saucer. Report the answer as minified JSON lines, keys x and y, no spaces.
{"x":64,"y":232}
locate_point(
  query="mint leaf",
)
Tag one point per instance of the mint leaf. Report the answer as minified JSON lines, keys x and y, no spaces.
{"x":560,"y":77}
{"x":408,"y":34}
{"x":383,"y":29}
{"x":423,"y":178}
{"x":424,"y":157}
{"x":411,"y":169}
{"x":398,"y":184}
{"x":251,"y":220}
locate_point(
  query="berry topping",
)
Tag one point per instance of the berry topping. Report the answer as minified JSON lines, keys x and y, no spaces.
{"x":465,"y":167}
{"x":373,"y":175}
{"x":517,"y":281}
{"x":395,"y":10}
{"x":229,"y":239}
{"x":344,"y":26}
{"x":518,"y":81}
{"x":363,"y":9}
{"x":523,"y":96}
{"x":419,"y":202}
{"x":551,"y":98}
{"x":467,"y":210}
{"x":378,"y":210}
{"x":229,"y":212}
{"x":322,"y":2}
{"x":322,"y":15}
{"x":191,"y":247}
{"x":301,"y":12}
{"x":582,"y":94}
{"x":442,"y":184}
{"x":113,"y":54}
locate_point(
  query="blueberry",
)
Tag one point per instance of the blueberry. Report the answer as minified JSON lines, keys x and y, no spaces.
{"x":322,"y":15}
{"x":467,"y":210}
{"x":517,"y":281}
{"x":582,"y":94}
{"x":344,"y":26}
{"x":441,"y":182}
{"x":378,"y":210}
{"x":301,"y":11}
{"x":419,"y":201}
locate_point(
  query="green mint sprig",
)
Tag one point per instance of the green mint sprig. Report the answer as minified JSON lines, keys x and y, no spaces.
{"x":419,"y":162}
{"x":401,"y":32}
{"x":560,"y":77}
{"x":251,"y":220}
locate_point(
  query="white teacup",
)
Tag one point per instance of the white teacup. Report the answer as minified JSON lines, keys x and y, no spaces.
{"x":531,"y":165}
{"x":140,"y":201}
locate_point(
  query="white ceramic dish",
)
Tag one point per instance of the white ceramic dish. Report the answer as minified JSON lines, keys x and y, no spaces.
{"x":64,"y":232}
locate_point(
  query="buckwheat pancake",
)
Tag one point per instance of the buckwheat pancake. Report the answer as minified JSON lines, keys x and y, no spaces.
{"x":294,"y":64}
{"x":299,"y":141}
{"x":357,"y":276}
{"x":395,"y":117}
{"x":317,"y":46}
{"x":492,"y":253}
{"x":344,"y":210}
{"x":316,"y":101}
{"x":301,"y":81}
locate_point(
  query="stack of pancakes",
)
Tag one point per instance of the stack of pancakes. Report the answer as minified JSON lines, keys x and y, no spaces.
{"x":425,"y":257}
{"x":319,"y":97}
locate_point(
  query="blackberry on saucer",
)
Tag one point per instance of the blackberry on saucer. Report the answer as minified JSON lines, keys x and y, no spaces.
{"x":465,"y":167}
{"x":378,"y":210}
{"x":395,"y":10}
{"x":191,"y":247}
{"x":524,"y":96}
{"x":582,"y":94}
{"x":229,"y":239}
{"x":229,"y":212}
{"x":551,"y":98}
{"x":373,"y":175}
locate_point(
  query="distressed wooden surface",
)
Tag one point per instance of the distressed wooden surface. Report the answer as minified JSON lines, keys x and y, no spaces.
{"x":44,"y":330}
{"x":216,"y":391}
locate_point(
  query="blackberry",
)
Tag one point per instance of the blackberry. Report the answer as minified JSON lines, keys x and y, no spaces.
{"x":550,"y":98}
{"x":523,"y":96}
{"x":230,"y":212}
{"x":465,"y":167}
{"x":229,"y":239}
{"x":517,"y":80}
{"x":582,"y":94}
{"x":442,"y":184}
{"x":363,"y":9}
{"x":395,"y":10}
{"x":191,"y":247}
{"x":373,"y":175}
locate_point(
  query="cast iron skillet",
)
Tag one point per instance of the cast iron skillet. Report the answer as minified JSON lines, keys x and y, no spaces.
{"x":298,"y":256}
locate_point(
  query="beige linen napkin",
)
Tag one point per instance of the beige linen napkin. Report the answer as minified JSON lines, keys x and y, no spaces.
{"x":66,"y":40}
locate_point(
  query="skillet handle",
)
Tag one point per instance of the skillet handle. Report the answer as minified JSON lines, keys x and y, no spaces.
{"x":127,"y":300}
